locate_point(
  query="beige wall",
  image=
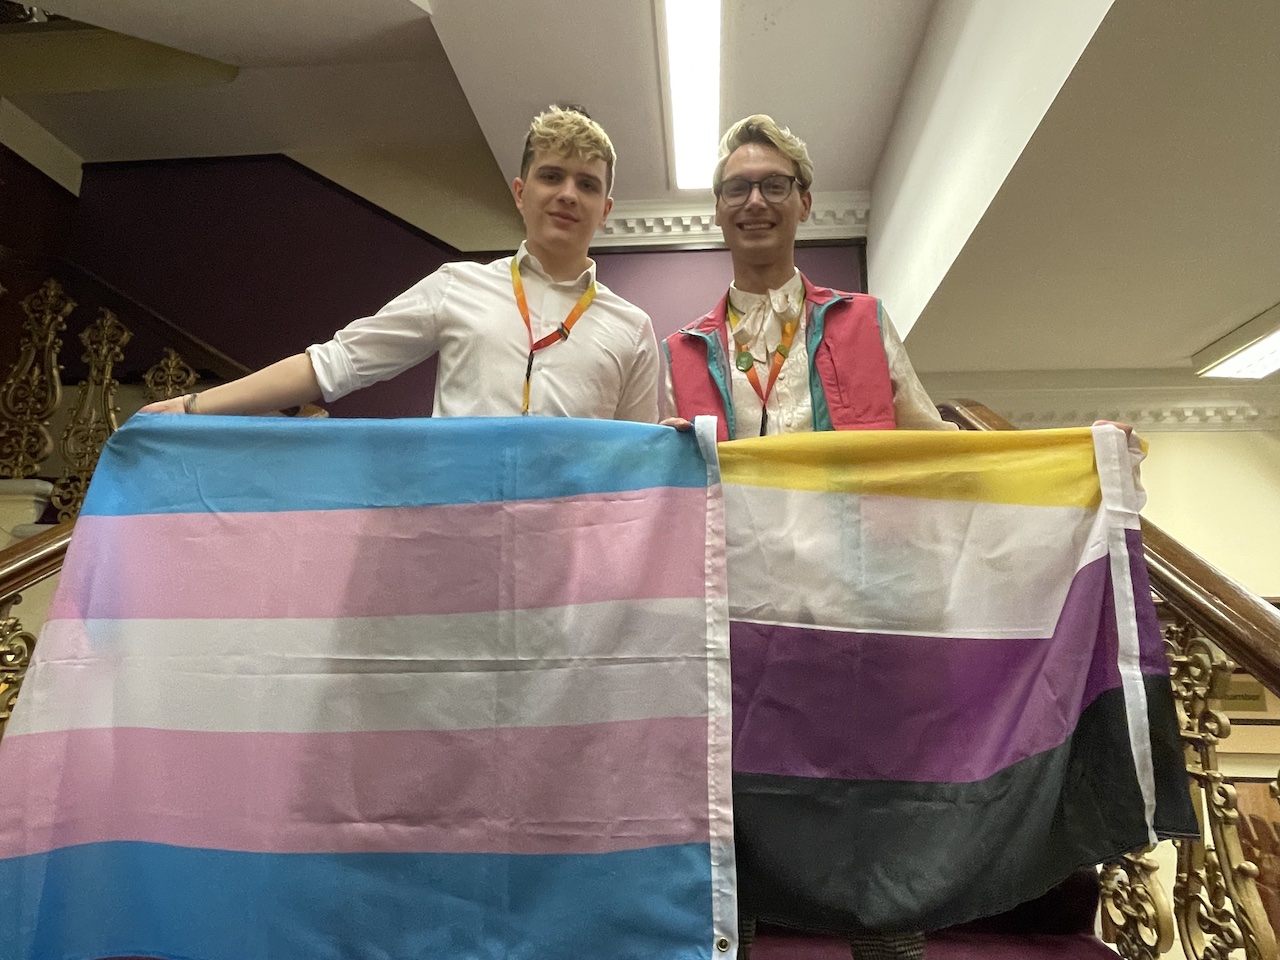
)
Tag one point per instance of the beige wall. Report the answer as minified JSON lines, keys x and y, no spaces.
{"x":1219,"y":493}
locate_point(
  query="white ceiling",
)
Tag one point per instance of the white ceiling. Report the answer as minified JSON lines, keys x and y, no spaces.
{"x":267,"y":33}
{"x":804,"y":62}
{"x":1141,"y":222}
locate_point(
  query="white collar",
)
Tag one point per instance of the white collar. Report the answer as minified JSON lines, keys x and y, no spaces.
{"x":785,"y":300}
{"x":784,"y":303}
{"x":525,"y":260}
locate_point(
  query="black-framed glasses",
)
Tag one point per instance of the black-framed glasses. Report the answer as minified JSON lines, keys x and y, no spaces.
{"x":774,"y":188}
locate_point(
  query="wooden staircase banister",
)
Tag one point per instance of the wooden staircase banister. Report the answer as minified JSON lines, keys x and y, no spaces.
{"x":1243,"y":625}
{"x":27,"y":562}
{"x":972,"y":415}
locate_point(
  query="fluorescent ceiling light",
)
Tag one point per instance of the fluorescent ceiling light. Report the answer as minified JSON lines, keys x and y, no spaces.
{"x":1249,"y":352}
{"x":692,"y":30}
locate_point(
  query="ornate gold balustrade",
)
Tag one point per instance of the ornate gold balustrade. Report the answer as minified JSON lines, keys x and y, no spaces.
{"x":1211,"y":624}
{"x":33,"y":389}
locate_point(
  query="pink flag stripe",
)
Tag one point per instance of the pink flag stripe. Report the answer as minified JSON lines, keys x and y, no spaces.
{"x":586,"y":789}
{"x":463,"y":558}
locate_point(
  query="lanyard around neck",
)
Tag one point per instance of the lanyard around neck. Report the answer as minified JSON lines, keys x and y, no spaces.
{"x":560,"y":333}
{"x":745,"y":362}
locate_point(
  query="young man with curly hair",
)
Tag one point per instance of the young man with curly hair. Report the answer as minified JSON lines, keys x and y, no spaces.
{"x":501,"y":330}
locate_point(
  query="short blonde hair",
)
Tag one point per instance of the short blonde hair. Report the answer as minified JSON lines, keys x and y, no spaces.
{"x":569,"y":131}
{"x":762,"y":129}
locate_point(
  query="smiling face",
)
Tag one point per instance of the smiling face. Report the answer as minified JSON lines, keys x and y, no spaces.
{"x":563,"y":200}
{"x":759,"y":234}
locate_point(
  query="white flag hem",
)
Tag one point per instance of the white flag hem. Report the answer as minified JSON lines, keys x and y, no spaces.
{"x":1121,"y":503}
{"x":724,"y":898}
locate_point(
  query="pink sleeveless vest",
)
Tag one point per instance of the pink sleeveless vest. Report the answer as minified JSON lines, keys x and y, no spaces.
{"x":848,"y":371}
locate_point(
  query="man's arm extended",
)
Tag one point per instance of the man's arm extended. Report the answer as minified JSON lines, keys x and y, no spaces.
{"x":288,"y":383}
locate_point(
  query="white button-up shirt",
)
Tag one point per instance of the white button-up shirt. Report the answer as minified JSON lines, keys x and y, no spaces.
{"x":466,"y":312}
{"x":790,"y":405}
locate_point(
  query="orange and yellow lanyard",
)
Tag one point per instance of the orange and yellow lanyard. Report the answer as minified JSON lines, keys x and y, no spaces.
{"x":745,"y":362}
{"x":560,"y":333}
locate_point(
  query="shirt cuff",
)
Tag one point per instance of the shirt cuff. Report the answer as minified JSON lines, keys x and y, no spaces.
{"x":333,"y":369}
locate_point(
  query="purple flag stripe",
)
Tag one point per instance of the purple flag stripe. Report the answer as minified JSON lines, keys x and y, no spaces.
{"x":386,"y":562}
{"x":582,"y":789}
{"x":923,"y":709}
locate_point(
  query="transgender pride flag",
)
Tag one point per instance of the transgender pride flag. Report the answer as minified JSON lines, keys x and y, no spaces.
{"x":379,"y":689}
{"x":949,"y":684}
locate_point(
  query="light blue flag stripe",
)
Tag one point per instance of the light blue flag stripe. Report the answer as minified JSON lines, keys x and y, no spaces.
{"x":179,"y":903}
{"x":166,"y":464}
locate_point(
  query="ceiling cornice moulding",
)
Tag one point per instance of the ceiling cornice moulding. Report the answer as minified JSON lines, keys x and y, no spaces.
{"x":1201,"y":406}
{"x":643,"y":223}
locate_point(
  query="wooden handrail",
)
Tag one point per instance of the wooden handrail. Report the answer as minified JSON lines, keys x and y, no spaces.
{"x":972,"y":415}
{"x":1245,"y":626}
{"x":27,"y":562}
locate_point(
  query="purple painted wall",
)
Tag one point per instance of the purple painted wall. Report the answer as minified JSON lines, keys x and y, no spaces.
{"x":35,"y":222}
{"x":255,"y":255}
{"x":35,"y":212}
{"x":260,"y":257}
{"x":676,"y":287}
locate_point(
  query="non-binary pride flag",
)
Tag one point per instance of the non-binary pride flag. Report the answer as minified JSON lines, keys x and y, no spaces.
{"x":379,"y":689}
{"x":949,"y":687}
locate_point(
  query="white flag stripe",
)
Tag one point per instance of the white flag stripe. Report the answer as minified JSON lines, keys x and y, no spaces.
{"x":322,"y":675}
{"x":634,"y":628}
{"x":903,"y":565}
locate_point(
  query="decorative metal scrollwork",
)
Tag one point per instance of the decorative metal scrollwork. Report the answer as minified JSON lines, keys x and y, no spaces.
{"x":94,"y":417}
{"x":170,"y":377}
{"x":16,"y":645}
{"x":33,"y":389}
{"x":1136,"y":914}
{"x":1217,"y":905}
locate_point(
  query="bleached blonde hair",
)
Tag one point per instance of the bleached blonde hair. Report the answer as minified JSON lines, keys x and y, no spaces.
{"x":760,"y":128}
{"x":569,"y":131}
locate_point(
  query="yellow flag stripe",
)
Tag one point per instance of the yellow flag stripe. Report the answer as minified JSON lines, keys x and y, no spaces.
{"x":1028,"y":467}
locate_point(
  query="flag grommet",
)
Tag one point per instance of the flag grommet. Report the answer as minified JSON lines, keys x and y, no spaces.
{"x":723,"y":944}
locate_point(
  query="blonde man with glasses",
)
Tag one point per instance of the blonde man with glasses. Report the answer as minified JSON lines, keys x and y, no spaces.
{"x":536,"y":333}
{"x":780,"y":354}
